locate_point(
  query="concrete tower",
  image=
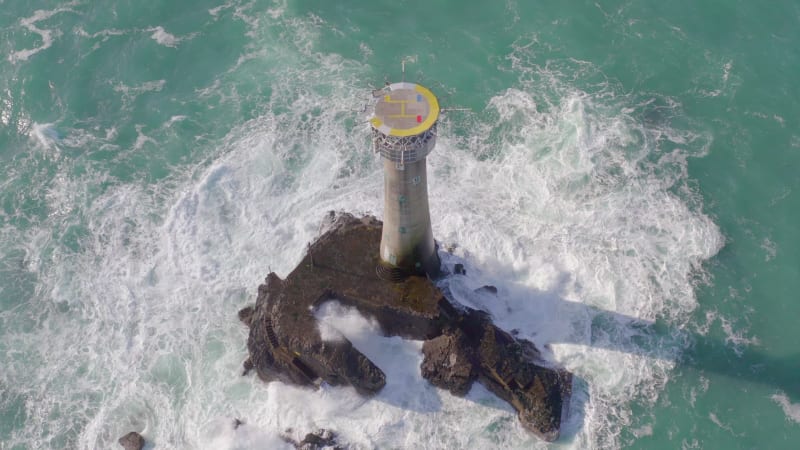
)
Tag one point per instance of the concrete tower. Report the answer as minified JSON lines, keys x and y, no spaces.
{"x":404,"y":132}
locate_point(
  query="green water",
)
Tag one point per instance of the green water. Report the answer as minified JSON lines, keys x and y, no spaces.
{"x":158,"y":158}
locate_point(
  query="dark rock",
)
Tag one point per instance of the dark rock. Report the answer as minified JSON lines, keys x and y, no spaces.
{"x":449,"y":362}
{"x":132,"y":441}
{"x":247,"y":366}
{"x":487,"y":289}
{"x":459,"y":269}
{"x":537,"y":392}
{"x":237,"y":423}
{"x":285,"y":342}
{"x":246,"y":315}
{"x":320,"y":439}
{"x":474,"y":348}
{"x":317,"y":440}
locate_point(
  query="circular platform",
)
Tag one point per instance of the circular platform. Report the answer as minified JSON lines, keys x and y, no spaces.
{"x":406,"y":109}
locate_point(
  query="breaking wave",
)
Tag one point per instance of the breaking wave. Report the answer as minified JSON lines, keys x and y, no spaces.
{"x":569,"y":195}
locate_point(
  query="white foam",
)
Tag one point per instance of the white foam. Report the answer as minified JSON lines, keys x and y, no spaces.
{"x":770,"y":249}
{"x":366,"y":50}
{"x":148,"y":86}
{"x":142,"y":139}
{"x":130,"y":93}
{"x":163,"y":38}
{"x":45,"y":136}
{"x":46,"y":35}
{"x":719,"y":423}
{"x":220,"y":434}
{"x":570,"y":202}
{"x":791,"y":410}
{"x":172,"y":120}
{"x":737,"y":336}
{"x":214,"y":12}
{"x":574,"y":210}
{"x":278,"y":9}
{"x":104,"y":34}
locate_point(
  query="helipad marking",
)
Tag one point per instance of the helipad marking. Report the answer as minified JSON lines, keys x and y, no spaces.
{"x":425,"y":121}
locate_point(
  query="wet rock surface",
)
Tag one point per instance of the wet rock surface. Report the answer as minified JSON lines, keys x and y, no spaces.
{"x":246,"y":315}
{"x":132,"y":441}
{"x":462,"y":345}
{"x":450,"y":362}
{"x":487,"y":289}
{"x":320,"y":439}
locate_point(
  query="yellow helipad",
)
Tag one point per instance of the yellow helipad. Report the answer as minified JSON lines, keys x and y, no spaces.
{"x":407,"y":109}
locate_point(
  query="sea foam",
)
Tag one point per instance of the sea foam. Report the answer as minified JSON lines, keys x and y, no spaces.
{"x":791,"y":410}
{"x":572,"y":200}
{"x":47,"y":35}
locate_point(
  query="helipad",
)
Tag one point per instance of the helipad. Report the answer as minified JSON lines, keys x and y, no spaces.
{"x":406,"y":109}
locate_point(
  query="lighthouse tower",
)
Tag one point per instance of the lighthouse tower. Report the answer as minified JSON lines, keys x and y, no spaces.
{"x":404,"y":132}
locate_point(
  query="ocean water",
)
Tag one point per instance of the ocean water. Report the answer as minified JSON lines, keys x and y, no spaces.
{"x":626,"y":175}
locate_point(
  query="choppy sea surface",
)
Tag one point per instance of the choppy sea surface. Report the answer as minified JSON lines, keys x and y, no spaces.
{"x":627,"y":175}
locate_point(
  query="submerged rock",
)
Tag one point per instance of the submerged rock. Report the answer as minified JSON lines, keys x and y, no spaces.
{"x":246,"y":315}
{"x":320,"y":439}
{"x":247,"y":366}
{"x":462,"y":345}
{"x":487,"y":289}
{"x":132,"y":441}
{"x":317,"y":440}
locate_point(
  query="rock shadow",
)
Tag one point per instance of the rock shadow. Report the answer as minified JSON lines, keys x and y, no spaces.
{"x":547,"y":318}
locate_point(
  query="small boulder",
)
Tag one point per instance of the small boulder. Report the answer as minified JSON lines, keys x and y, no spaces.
{"x":247,"y":366}
{"x":486,"y":289}
{"x":132,"y":441}
{"x":317,"y":440}
{"x":459,"y":269}
{"x":246,"y":315}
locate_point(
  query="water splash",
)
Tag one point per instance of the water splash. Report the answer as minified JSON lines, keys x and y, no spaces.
{"x":568,"y":194}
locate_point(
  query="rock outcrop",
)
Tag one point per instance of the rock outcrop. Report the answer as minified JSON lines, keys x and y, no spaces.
{"x":450,"y":362}
{"x":472,"y":348}
{"x":462,"y":345}
{"x":132,"y":441}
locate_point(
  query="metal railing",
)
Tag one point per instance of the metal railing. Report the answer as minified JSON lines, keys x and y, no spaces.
{"x":407,"y":149}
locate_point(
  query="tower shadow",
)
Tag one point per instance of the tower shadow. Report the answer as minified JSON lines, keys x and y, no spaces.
{"x":560,"y":321}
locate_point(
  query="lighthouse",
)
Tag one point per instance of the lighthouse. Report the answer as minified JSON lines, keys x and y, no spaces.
{"x":404,"y":133}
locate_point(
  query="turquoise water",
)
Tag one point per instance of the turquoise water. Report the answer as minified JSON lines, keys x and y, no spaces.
{"x":627,"y":176}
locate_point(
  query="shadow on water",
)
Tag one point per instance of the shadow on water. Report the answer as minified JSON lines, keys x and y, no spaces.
{"x":566,"y":322}
{"x":400,"y":361}
{"x":748,"y":364}
{"x":545,"y":318}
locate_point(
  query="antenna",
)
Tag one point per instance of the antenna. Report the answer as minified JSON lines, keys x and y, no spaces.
{"x":410,"y":59}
